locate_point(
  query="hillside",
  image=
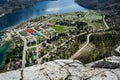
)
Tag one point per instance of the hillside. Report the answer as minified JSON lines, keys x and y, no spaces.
{"x":12,"y":5}
{"x":108,"y":5}
{"x":111,"y":8}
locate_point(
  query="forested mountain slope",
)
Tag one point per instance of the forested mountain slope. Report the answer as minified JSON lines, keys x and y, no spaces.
{"x":12,"y":5}
{"x":100,"y":4}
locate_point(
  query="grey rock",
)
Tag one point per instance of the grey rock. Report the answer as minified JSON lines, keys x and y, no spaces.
{"x":62,"y":70}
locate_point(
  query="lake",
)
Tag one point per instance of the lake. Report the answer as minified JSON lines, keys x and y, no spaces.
{"x":39,"y":9}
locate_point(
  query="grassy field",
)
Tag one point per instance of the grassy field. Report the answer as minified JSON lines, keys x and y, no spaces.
{"x":59,"y":28}
{"x":32,"y":49}
{"x":92,"y":18}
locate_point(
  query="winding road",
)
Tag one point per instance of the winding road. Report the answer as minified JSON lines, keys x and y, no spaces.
{"x":87,"y":41}
{"x":78,"y":52}
{"x":107,"y":27}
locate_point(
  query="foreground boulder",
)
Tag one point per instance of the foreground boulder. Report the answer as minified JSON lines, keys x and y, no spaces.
{"x":62,"y":70}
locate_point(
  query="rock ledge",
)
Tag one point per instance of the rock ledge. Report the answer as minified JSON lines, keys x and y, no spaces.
{"x":62,"y":70}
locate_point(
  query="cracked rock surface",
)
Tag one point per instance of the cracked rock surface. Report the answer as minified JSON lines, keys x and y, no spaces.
{"x":62,"y":70}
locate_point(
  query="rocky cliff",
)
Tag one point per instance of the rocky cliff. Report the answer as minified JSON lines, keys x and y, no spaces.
{"x":65,"y":70}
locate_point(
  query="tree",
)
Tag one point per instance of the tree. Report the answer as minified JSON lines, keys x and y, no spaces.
{"x":44,"y":44}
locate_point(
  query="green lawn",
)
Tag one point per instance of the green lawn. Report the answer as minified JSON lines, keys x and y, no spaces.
{"x":31,"y":49}
{"x":59,"y":28}
{"x":23,"y":33}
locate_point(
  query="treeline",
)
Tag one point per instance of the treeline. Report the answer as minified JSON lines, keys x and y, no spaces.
{"x":70,"y":23}
{"x":113,"y":20}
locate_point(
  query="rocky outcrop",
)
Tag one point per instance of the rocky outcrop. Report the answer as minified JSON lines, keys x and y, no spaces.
{"x":62,"y":70}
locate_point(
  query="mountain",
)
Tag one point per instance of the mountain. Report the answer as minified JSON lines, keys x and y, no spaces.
{"x":13,"y":5}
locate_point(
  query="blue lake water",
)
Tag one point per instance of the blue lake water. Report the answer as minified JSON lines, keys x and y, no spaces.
{"x":41,"y":8}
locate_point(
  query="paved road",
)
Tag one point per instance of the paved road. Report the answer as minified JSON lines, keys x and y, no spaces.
{"x":87,"y":42}
{"x":8,"y":37}
{"x":41,"y":33}
{"x":37,"y":46}
{"x":24,"y":49}
{"x":78,"y":52}
{"x":53,"y":50}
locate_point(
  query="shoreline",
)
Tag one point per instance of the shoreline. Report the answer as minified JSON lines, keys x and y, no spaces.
{"x":24,"y":22}
{"x":16,"y":26}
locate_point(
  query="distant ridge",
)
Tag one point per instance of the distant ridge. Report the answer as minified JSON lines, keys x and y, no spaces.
{"x":106,"y":5}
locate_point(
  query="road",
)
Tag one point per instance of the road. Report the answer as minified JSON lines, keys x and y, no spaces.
{"x":24,"y":49}
{"x":78,"y":52}
{"x":107,"y":27}
{"x":41,"y":33}
{"x":87,"y":42}
{"x":118,"y":49}
{"x":53,"y":50}
{"x":8,"y":37}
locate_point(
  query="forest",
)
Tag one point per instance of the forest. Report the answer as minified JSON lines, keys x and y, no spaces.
{"x":104,"y":46}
